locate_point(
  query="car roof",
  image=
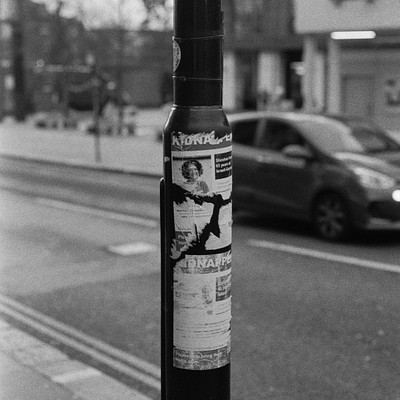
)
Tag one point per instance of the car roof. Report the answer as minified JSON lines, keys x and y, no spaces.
{"x":296,"y":116}
{"x":291,"y":115}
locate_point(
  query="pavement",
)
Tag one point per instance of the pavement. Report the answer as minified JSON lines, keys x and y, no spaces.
{"x":29,"y":368}
{"x":140,"y":153}
{"x":33,"y":370}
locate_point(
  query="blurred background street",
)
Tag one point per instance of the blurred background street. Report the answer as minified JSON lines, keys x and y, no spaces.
{"x":85,"y":90}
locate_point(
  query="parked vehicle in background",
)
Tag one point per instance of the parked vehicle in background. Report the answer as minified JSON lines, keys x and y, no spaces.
{"x":395,"y":135}
{"x":109,"y":121}
{"x":340,"y":173}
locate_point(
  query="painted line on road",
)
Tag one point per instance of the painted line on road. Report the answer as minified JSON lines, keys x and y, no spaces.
{"x":77,"y":378}
{"x":62,"y":205}
{"x":359,"y":262}
{"x":130,"y":249}
{"x":76,"y":375}
{"x":68,"y":330}
{"x":132,"y":366}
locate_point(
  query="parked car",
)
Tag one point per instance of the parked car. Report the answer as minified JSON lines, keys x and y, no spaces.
{"x":340,"y":173}
{"x":109,"y":121}
{"x":395,"y":135}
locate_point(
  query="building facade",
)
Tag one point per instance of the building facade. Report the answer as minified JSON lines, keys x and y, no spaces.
{"x":262,"y":54}
{"x":261,"y":50}
{"x":344,"y":73}
{"x":43,"y":39}
{"x":277,"y":53}
{"x":144,"y":63}
{"x":55,"y":51}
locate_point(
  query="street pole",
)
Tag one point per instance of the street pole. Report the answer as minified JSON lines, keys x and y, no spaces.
{"x":196,"y":213}
{"x":11,"y":15}
{"x":120,"y":68}
{"x":18,"y":62}
{"x":2,"y":60}
{"x":95,"y":82}
{"x":96,"y":118}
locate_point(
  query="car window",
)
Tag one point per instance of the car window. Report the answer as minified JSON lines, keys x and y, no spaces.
{"x":372,"y":139}
{"x":334,"y":135}
{"x":329,"y":135}
{"x":278,"y":134}
{"x":244,"y":132}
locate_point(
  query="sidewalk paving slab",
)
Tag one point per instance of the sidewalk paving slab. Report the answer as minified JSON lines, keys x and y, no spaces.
{"x":18,"y":382}
{"x":33,"y":370}
{"x":137,"y":154}
{"x":29,"y":368}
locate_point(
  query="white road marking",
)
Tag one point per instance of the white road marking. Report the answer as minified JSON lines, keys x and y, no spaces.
{"x":62,"y":205}
{"x":129,"y":249}
{"x":359,"y":262}
{"x":76,"y":375}
{"x":128,"y":364}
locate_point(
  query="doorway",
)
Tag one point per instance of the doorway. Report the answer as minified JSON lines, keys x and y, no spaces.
{"x":358,"y":95}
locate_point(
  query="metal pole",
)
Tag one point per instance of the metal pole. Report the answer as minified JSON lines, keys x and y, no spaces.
{"x":96,"y":112}
{"x":18,"y":62}
{"x":196,"y":213}
{"x":2,"y":63}
{"x":120,"y":68}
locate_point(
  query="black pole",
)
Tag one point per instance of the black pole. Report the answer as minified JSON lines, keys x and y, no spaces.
{"x":196,"y":213}
{"x":96,"y":82}
{"x":18,"y":62}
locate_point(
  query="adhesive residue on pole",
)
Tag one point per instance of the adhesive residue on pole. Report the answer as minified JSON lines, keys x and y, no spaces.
{"x":201,"y":249}
{"x":176,"y":53}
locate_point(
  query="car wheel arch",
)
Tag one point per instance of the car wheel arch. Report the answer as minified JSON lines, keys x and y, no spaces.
{"x":348,"y":223}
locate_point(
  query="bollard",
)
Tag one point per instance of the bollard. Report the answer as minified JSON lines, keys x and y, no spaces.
{"x":196,"y":213}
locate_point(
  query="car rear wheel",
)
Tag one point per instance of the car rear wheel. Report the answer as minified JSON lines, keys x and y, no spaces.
{"x":331,"y":218}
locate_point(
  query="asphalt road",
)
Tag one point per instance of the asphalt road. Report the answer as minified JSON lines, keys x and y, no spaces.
{"x":311,"y":320}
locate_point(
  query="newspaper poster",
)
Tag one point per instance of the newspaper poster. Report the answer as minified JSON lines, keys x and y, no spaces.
{"x":202,"y":311}
{"x":202,"y":190}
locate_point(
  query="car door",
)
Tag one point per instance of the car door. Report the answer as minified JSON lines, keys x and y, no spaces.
{"x":284,"y":183}
{"x":245,"y":159}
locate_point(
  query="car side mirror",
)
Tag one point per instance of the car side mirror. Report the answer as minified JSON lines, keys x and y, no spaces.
{"x":297,"y":151}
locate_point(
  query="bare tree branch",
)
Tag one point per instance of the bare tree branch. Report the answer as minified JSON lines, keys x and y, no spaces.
{"x":106,"y":13}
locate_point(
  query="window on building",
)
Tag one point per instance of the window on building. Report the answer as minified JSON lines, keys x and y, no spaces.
{"x":5,"y":31}
{"x":249,"y":16}
{"x":247,"y":79}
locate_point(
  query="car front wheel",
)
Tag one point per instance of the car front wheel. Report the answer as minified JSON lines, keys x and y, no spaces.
{"x":331,"y":218}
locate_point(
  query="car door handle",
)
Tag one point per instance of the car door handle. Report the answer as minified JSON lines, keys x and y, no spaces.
{"x":265,"y":160}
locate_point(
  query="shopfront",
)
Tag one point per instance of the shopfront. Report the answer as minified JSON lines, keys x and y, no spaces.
{"x":351,"y":57}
